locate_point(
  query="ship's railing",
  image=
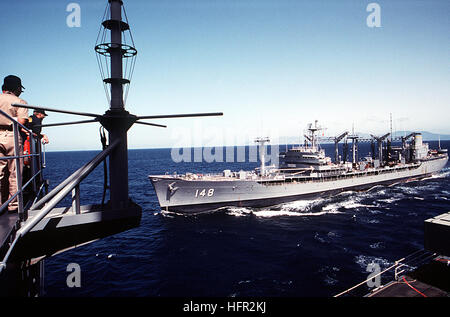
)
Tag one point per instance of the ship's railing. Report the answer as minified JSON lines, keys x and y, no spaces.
{"x":49,"y":201}
{"x":325,"y":176}
{"x":36,"y":179}
{"x":399,"y":268}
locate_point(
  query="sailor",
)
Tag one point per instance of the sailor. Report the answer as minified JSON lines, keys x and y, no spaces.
{"x":34,"y":124}
{"x":12,"y":88}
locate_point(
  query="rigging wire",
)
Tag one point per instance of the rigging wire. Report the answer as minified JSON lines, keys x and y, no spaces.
{"x":98,"y":57}
{"x":105,"y":167}
{"x":133,"y":58}
{"x":103,"y":47}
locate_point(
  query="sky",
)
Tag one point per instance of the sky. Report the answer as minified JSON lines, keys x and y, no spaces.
{"x":270,"y":66}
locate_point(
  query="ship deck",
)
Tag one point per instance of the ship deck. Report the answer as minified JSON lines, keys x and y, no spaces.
{"x":8,"y":221}
{"x":200,"y":177}
{"x":409,"y":288}
{"x":429,"y":280}
{"x":287,"y":177}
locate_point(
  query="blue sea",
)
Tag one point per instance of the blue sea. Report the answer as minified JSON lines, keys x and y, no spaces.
{"x":314,"y":248}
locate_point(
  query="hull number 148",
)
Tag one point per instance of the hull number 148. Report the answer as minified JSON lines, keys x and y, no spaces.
{"x":204,"y":192}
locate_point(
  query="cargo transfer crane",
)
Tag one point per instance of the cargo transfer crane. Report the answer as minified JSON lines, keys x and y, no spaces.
{"x":380,"y":145}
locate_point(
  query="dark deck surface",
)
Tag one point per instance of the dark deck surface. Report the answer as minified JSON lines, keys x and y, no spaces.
{"x":402,"y":289}
{"x":437,"y":234}
{"x":7,"y":223}
{"x":429,"y":280}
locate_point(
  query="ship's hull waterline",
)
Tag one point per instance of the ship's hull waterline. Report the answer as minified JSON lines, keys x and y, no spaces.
{"x":185,"y":196}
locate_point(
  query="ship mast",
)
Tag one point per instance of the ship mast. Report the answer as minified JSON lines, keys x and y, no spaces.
{"x":111,"y":53}
{"x":390,"y":117}
{"x":312,"y":130}
{"x":118,"y":176}
{"x":117,"y":120}
{"x":354,"y":139}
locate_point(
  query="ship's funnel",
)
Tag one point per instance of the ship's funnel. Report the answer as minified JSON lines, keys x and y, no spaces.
{"x":418,"y":141}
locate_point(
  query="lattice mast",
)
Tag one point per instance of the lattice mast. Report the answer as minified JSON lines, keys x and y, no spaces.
{"x":116,"y":120}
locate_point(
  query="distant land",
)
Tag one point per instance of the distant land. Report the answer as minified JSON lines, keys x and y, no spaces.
{"x":426,"y":136}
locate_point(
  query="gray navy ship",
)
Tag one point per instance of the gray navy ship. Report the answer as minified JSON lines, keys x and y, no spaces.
{"x":303,"y":172}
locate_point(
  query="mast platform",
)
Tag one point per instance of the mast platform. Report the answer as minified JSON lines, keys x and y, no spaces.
{"x":63,"y":229}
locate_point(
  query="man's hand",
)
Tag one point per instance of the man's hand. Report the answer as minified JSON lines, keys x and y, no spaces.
{"x":44,"y":139}
{"x":24,"y":131}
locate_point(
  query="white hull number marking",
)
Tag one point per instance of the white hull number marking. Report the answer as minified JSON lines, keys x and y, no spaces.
{"x":204,"y":192}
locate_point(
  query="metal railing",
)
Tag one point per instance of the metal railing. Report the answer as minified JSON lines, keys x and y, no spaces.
{"x":406,"y":264}
{"x":52,"y":198}
{"x":49,"y":201}
{"x":36,"y":166}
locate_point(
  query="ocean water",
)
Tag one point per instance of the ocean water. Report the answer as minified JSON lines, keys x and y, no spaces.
{"x":314,"y":248}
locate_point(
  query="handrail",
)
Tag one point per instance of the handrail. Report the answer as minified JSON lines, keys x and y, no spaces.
{"x":6,"y":203}
{"x":39,"y":191}
{"x":58,"y":188}
{"x":397,"y":264}
{"x":19,"y":188}
{"x":36,"y":168}
{"x":14,"y":120}
{"x":5,"y":158}
{"x":86,"y":170}
{"x":74,"y":180}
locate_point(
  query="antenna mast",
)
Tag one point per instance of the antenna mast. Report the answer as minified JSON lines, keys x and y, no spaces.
{"x":390,"y":115}
{"x":116,"y":120}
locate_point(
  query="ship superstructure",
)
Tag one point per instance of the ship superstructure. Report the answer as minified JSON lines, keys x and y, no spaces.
{"x":309,"y":155}
{"x":304,"y":172}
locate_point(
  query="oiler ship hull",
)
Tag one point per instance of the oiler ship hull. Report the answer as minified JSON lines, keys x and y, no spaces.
{"x":206,"y":194}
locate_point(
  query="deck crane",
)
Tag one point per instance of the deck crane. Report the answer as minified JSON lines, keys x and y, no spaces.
{"x":380,"y":145}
